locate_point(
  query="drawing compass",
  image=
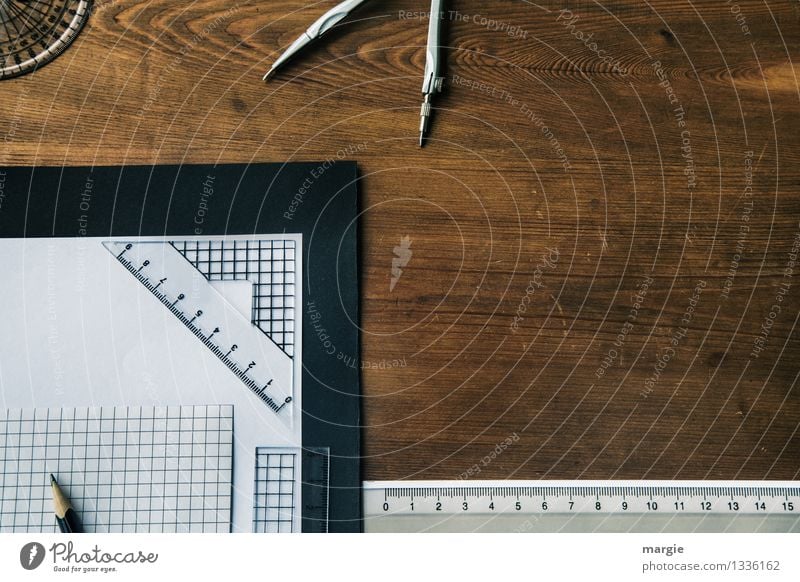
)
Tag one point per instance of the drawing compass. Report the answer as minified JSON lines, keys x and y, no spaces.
{"x":34,"y":32}
{"x":432,"y":83}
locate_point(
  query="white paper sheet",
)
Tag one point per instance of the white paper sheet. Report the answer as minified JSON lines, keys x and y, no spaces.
{"x":80,"y":330}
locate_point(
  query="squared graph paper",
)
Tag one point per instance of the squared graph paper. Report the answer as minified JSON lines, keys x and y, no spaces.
{"x":124,"y":469}
{"x":274,"y":500}
{"x":269,"y":264}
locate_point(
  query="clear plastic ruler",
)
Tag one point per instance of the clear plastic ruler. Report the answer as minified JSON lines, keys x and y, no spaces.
{"x":316,"y":489}
{"x":521,"y":506}
{"x":279,"y":505}
{"x":197,"y":281}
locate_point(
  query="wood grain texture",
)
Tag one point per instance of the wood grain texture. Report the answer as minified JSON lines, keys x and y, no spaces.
{"x":553,"y":183}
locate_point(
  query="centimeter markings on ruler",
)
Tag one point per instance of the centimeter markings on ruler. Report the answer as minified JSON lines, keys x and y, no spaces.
{"x":316,"y":489}
{"x":173,"y":301}
{"x":398,"y":498}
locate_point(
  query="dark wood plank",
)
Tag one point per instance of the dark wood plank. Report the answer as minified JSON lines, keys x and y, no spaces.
{"x":497,"y":215}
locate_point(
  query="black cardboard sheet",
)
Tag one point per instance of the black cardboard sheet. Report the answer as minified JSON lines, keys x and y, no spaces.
{"x":318,"y":200}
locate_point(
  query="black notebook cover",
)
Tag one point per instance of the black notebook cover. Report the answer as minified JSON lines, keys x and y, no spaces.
{"x":318,"y":200}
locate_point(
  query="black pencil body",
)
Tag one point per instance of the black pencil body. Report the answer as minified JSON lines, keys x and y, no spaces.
{"x":66,"y":517}
{"x":70,"y":523}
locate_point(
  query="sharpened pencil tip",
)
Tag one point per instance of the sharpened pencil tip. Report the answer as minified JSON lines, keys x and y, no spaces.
{"x":53,"y":480}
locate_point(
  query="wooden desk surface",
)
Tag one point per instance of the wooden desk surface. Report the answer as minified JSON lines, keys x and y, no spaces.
{"x":576,"y":161}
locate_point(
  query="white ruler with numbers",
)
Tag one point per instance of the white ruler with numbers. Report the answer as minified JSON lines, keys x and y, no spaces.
{"x":582,"y":506}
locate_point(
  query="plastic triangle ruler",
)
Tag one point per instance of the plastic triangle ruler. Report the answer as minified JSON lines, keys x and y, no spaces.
{"x":201,"y":283}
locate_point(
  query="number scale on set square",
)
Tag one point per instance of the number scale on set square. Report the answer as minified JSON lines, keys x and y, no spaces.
{"x":431,"y":503}
{"x":247,"y":352}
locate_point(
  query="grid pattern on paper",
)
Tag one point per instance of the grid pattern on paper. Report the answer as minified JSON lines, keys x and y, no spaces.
{"x":274,"y":499}
{"x":124,"y":469}
{"x":269,"y":264}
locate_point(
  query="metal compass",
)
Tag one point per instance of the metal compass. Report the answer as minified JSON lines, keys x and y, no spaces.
{"x":34,"y":32}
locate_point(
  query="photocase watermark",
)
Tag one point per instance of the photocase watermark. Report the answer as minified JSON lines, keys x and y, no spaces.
{"x":548,"y":262}
{"x":95,"y":560}
{"x":679,"y":114}
{"x":614,"y":352}
{"x":317,"y":173}
{"x":383,"y":364}
{"x":744,"y":225}
{"x":400,"y":260}
{"x":171,"y":68}
{"x":512,"y":31}
{"x":151,"y":389}
{"x":330,"y":348}
{"x":555,"y":144}
{"x":777,"y":304}
{"x":527,"y":525}
{"x":84,"y":205}
{"x":487,"y":460}
{"x":84,"y":208}
{"x":739,"y":17}
{"x":206,"y":194}
{"x":678,"y":335}
{"x":523,"y":108}
{"x":53,"y":335}
{"x":31,"y":555}
{"x":66,"y":558}
{"x":15,"y":120}
{"x":315,"y":316}
{"x":568,"y":19}
{"x":3,"y":178}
